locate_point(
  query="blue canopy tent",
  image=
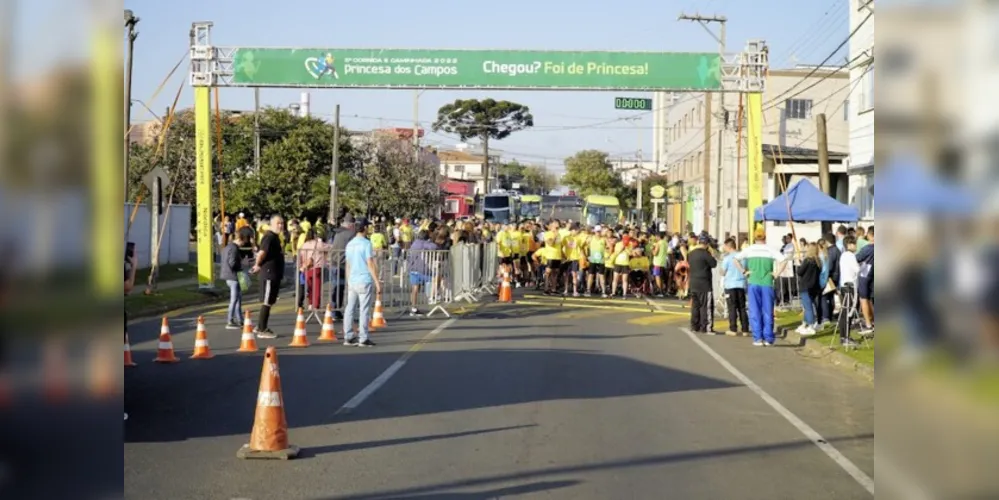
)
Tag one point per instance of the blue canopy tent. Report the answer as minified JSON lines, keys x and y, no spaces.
{"x":909,"y":188}
{"x":808,"y":204}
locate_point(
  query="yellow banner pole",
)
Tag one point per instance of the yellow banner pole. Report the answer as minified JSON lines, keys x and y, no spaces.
{"x":107,"y":161}
{"x":754,"y":168}
{"x":203,"y":185}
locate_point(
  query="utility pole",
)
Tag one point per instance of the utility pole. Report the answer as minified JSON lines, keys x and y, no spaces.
{"x":823,"y":146}
{"x":416,"y":125}
{"x":130,"y":22}
{"x":335,"y":167}
{"x":256,"y":129}
{"x":720,"y":38}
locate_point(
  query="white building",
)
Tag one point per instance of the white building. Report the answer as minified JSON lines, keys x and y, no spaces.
{"x":790,"y":147}
{"x":462,"y":166}
{"x":861,"y":109}
{"x":630,"y":169}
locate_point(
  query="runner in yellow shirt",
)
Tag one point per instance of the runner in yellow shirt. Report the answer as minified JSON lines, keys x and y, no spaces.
{"x":596,"y":248}
{"x":552,"y":253}
{"x":622,"y":267}
{"x":639,"y":270}
{"x":573,"y":255}
{"x":526,"y":252}
{"x":504,"y":249}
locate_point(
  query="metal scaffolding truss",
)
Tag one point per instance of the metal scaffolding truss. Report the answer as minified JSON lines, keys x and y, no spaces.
{"x":211,"y":66}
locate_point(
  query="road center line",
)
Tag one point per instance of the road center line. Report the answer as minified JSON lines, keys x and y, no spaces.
{"x":380,"y":380}
{"x":858,"y":475}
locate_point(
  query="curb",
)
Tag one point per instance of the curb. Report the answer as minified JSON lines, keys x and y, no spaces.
{"x":821,"y":350}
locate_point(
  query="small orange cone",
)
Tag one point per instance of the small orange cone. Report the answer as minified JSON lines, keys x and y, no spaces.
{"x":164,"y":353}
{"x":269,"y":437}
{"x":201,"y":348}
{"x":378,"y":317}
{"x":328,"y":334}
{"x":248,"y":342}
{"x":128,"y":352}
{"x":300,"y":339}
{"x":506,"y":291}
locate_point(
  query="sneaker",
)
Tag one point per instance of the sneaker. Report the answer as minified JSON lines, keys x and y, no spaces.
{"x":414,"y":311}
{"x":575,"y":294}
{"x":587,"y":294}
{"x":350,"y":342}
{"x":604,"y":296}
{"x":366,"y":343}
{"x":768,"y":344}
{"x":758,"y":343}
{"x":807,"y":332}
{"x":265,"y":334}
{"x":233,"y":326}
{"x":731,"y":333}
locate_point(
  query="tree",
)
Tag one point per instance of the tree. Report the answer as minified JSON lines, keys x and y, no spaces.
{"x":486,"y":119}
{"x":537,"y":180}
{"x":589,"y":172}
{"x":510,"y":173}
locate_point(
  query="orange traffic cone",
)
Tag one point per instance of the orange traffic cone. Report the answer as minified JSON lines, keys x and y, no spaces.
{"x":164,"y":354}
{"x":328,"y":334}
{"x":248,"y":342}
{"x":201,"y":348}
{"x":128,"y":352}
{"x":378,"y":317}
{"x":506,"y":291}
{"x":300,"y":339}
{"x":269,"y":438}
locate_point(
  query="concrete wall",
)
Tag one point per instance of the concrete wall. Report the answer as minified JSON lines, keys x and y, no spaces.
{"x":175,"y":248}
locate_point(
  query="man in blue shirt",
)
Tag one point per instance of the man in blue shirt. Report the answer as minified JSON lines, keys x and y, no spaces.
{"x":735,"y":291}
{"x":362,"y":286}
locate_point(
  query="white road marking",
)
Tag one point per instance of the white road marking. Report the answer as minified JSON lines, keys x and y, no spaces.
{"x":858,"y":475}
{"x":379,"y":381}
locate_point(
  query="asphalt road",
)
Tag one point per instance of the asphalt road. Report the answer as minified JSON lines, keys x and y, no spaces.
{"x":528,"y":400}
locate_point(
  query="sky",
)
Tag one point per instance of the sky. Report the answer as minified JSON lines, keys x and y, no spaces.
{"x":797,"y":31}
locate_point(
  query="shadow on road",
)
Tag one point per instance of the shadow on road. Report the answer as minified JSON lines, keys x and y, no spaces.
{"x":544,"y":337}
{"x":364,"y":445}
{"x":485,"y":494}
{"x":436,"y":490}
{"x":195,"y":399}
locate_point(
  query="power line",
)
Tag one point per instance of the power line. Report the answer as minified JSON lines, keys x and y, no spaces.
{"x":824,"y":61}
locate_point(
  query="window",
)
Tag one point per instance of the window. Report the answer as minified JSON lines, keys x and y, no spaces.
{"x":867,"y":91}
{"x":798,"y":109}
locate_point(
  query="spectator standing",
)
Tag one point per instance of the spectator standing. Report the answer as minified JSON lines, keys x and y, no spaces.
{"x":232,"y":266}
{"x":808,"y":273}
{"x":762,"y":263}
{"x":833,"y":253}
{"x":362,"y":286}
{"x":865,"y":281}
{"x":849,"y":272}
{"x":419,"y":272}
{"x":341,"y":237}
{"x":702,"y":261}
{"x":270,"y":265}
{"x":312,"y":255}
{"x":735,"y":291}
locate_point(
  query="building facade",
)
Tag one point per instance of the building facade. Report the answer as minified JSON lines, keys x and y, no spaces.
{"x":464,"y":166}
{"x":708,"y":171}
{"x":861,"y":109}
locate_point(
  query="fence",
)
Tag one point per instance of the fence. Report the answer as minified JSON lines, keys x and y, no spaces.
{"x":424,"y":280}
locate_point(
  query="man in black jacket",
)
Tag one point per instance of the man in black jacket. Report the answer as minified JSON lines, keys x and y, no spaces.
{"x":701,"y":260}
{"x":270,"y":264}
{"x":828,"y":301}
